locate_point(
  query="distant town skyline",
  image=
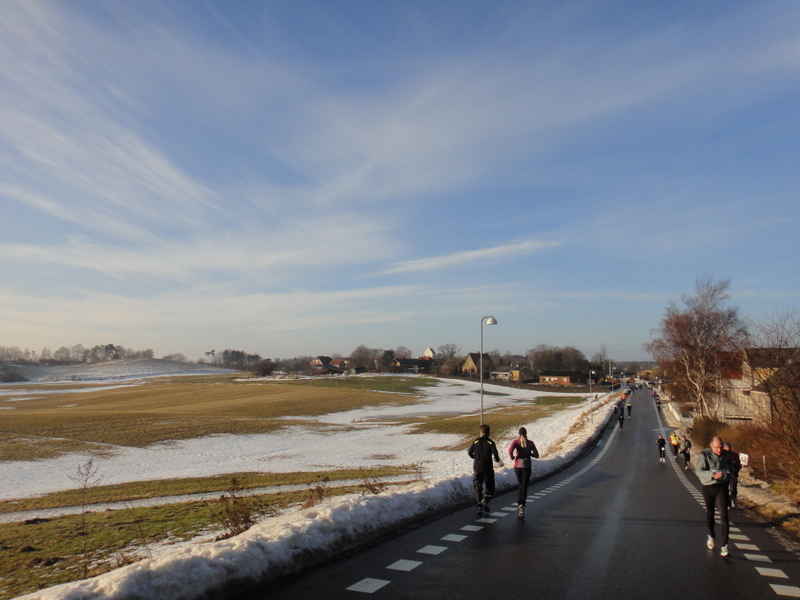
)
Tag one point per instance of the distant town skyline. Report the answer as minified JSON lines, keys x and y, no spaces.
{"x":301,"y":178}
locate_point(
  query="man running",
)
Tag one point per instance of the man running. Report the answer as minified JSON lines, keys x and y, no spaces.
{"x":482,"y":451}
{"x":713,"y":468}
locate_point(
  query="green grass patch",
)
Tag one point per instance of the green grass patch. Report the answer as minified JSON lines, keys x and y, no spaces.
{"x":193,"y":485}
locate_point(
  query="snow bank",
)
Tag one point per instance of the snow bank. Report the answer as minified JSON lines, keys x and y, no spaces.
{"x":293,"y":541}
{"x":298,"y":539}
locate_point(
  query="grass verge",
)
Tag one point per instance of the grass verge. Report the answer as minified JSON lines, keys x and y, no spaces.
{"x":44,"y":552}
{"x":194,"y":485}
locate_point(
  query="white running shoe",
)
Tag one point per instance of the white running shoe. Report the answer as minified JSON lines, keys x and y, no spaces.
{"x":710,"y":543}
{"x":724,"y":550}
{"x":521,"y":511}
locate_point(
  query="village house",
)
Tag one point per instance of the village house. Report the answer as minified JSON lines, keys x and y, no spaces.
{"x":563,"y":378}
{"x":471,"y":365}
{"x":321,"y":361}
{"x":328,"y":366}
{"x":512,"y":373}
{"x":414,"y":365}
{"x":743,"y":394}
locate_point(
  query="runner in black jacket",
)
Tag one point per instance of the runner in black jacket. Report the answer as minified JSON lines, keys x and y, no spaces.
{"x":482,"y":451}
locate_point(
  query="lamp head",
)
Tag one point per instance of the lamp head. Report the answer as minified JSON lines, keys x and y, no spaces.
{"x":491,"y":321}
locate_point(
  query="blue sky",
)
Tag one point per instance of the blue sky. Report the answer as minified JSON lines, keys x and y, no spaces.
{"x":292,"y":178}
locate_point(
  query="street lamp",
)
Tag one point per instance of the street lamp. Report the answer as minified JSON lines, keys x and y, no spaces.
{"x":489,"y":321}
{"x":591,"y":400}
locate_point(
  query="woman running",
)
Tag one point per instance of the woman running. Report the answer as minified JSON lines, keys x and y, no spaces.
{"x":521,"y":451}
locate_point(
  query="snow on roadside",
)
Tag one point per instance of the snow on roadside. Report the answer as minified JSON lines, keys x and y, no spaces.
{"x":298,"y":538}
{"x":285,"y":544}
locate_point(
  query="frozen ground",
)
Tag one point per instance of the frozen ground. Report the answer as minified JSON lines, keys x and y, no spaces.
{"x":372,"y":438}
{"x":275,"y":547}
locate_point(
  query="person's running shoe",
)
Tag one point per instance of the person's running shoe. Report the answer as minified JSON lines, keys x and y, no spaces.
{"x":521,"y":511}
{"x":710,"y":543}
{"x":724,"y":550}
{"x":485,"y":504}
{"x":480,"y":508}
{"x":733,"y":502}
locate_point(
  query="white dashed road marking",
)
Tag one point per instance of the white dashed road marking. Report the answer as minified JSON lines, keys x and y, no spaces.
{"x":404,"y":565}
{"x":768,"y":572}
{"x":757,"y":557}
{"x":434,"y":550}
{"x":786,"y":590}
{"x":751,"y":547}
{"x":368,"y":586}
{"x":738,"y":539}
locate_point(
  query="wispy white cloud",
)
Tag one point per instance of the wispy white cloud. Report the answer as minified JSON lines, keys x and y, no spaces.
{"x":189,"y":152}
{"x":471,"y":257}
{"x":311,"y":242}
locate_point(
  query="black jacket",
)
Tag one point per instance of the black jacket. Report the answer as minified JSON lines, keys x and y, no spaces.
{"x":482,"y":451}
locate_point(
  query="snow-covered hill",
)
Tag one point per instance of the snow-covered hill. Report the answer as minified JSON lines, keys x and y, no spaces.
{"x":137,"y":368}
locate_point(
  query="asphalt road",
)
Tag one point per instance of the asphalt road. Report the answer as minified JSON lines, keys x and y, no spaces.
{"x":618,"y":524}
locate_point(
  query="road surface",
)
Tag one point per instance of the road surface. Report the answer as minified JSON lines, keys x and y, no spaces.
{"x":618,"y":524}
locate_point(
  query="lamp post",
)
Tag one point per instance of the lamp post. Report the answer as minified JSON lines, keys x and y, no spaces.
{"x":489,"y":321}
{"x":591,"y":400}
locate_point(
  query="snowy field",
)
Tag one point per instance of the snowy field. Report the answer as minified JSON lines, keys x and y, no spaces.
{"x":273,"y":548}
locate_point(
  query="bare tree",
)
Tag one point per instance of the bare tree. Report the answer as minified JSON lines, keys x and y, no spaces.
{"x":403,"y":352}
{"x":774,"y":361}
{"x":553,"y":358}
{"x":692,"y":340}
{"x":448,"y":359}
{"x":447,"y":351}
{"x":363,"y":357}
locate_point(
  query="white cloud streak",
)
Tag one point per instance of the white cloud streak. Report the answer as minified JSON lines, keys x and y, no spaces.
{"x":470,"y":257}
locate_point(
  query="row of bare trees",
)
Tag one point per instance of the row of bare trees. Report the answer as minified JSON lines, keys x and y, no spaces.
{"x":76,"y":354}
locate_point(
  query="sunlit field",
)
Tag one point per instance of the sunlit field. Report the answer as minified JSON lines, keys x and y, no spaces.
{"x":138,"y":415}
{"x":43,"y":421}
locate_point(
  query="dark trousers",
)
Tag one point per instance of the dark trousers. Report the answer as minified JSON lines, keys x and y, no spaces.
{"x":478,"y":481}
{"x":523,"y":478}
{"x":734,"y":486}
{"x":687,"y":456}
{"x":716,"y":496}
{"x":662,"y":452}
